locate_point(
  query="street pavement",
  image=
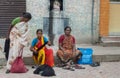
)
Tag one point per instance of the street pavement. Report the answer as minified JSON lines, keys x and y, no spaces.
{"x":105,"y":70}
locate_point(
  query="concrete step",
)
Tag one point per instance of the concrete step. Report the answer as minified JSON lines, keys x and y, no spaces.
{"x":100,"y":53}
{"x":110,"y":41}
{"x":96,"y":58}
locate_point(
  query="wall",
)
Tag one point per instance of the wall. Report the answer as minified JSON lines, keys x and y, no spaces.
{"x":104,"y":17}
{"x":79,"y":13}
{"x":38,"y":9}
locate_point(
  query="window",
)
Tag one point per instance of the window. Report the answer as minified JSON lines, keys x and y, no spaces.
{"x":115,"y":0}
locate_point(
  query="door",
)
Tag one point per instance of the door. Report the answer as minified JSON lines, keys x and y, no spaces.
{"x":9,"y":9}
{"x":114,"y":23}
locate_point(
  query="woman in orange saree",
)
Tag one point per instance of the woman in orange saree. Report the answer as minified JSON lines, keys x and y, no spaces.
{"x":67,"y":51}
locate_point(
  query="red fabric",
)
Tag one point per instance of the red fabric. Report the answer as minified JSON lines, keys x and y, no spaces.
{"x":39,"y":43}
{"x":62,"y":37}
{"x":49,"y":58}
{"x":18,"y":66}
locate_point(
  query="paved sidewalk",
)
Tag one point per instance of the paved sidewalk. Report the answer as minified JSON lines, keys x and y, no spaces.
{"x":105,"y":70}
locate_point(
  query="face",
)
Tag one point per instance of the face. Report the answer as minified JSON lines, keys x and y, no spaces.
{"x":25,"y":19}
{"x":67,"y":31}
{"x":39,"y":34}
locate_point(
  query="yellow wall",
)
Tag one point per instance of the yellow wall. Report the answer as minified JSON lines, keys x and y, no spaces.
{"x":114,"y":22}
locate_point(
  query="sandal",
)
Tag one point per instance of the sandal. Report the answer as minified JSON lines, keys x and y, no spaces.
{"x":72,"y":69}
{"x":95,"y":64}
{"x":66,"y":67}
{"x":69,"y":68}
{"x":1,"y":67}
{"x":60,"y":65}
{"x":7,"y":71}
{"x":78,"y":67}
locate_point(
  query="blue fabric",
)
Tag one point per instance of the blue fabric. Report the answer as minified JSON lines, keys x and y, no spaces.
{"x":45,"y":40}
{"x":35,"y":40}
{"x":86,"y":56}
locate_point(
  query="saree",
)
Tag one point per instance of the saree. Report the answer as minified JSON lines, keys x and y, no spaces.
{"x":39,"y":58}
{"x":44,"y":55}
{"x":67,"y":44}
{"x":18,"y":37}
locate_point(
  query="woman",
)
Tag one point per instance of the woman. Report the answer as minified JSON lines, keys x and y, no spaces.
{"x":18,"y":35}
{"x":67,"y":50}
{"x":24,"y":18}
{"x":41,"y":54}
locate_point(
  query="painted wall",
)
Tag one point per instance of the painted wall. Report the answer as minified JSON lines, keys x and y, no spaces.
{"x":114,"y":23}
{"x":78,"y":11}
{"x":38,"y":9}
{"x":104,"y":17}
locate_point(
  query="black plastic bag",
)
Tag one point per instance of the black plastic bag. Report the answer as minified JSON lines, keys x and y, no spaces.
{"x":45,"y":70}
{"x":6,"y":48}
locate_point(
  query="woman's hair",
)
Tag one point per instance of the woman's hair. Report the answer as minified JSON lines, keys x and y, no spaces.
{"x":27,"y":15}
{"x":67,"y":27}
{"x":39,"y":30}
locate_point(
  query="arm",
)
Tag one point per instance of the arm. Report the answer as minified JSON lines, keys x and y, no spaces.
{"x":74,"y":46}
{"x":32,"y":49}
{"x":60,"y":47}
{"x":60,"y":42}
{"x":9,"y":29}
{"x":47,"y":42}
{"x":14,"y":21}
{"x":33,"y":45}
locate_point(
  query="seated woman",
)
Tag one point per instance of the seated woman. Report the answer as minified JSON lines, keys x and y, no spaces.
{"x":67,"y":51}
{"x":41,"y":54}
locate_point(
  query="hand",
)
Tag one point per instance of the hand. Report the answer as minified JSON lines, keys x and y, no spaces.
{"x":22,"y":46}
{"x":49,"y":43}
{"x":0,"y":48}
{"x":65,"y":53}
{"x":34,"y":51}
{"x":19,"y":35}
{"x":10,"y":62}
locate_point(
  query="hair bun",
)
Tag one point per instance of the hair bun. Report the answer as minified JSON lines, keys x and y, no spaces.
{"x":27,"y":15}
{"x":24,"y":13}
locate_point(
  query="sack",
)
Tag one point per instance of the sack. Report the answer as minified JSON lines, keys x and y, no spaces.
{"x":18,"y":66}
{"x":45,"y":70}
{"x":86,"y":56}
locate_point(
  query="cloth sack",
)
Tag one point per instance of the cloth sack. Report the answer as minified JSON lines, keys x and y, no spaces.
{"x":18,"y":66}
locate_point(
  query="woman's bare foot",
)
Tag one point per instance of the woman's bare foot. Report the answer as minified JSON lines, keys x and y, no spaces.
{"x":76,"y":66}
